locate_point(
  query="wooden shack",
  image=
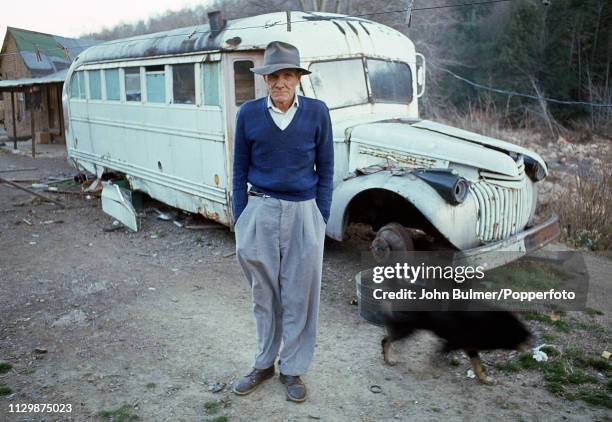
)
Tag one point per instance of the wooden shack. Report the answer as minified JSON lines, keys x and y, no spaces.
{"x":33,"y":66}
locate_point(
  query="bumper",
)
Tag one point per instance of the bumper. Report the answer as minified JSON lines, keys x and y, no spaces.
{"x":499,"y":253}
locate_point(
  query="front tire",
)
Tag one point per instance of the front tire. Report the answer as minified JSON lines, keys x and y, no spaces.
{"x":392,"y":241}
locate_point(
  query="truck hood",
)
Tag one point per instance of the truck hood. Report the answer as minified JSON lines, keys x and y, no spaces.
{"x":442,"y":142}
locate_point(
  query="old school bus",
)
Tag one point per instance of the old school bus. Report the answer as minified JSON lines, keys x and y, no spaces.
{"x":160,"y":109}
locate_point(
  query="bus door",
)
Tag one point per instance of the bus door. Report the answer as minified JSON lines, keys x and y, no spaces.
{"x":241,"y":85}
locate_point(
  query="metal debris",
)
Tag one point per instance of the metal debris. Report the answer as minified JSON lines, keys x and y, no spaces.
{"x":217,"y":387}
{"x":113,"y":227}
{"x":15,"y":185}
{"x":117,"y":202}
{"x":162,"y":216}
{"x":93,"y":187}
{"x":204,"y":226}
{"x":14,"y":170}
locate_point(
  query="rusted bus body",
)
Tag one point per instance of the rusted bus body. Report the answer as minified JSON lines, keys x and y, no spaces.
{"x":161,"y":108}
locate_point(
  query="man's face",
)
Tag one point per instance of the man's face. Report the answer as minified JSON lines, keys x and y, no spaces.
{"x":282,"y":83}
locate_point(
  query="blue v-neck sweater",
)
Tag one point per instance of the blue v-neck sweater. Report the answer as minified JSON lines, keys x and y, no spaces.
{"x":293,"y":164}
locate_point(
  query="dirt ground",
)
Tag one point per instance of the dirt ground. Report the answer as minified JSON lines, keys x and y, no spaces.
{"x":161,"y":319}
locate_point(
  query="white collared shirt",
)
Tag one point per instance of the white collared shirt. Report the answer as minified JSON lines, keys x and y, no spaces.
{"x":282,"y":119}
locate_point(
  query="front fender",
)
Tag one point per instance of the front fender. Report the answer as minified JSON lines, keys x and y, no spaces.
{"x":457,"y":223}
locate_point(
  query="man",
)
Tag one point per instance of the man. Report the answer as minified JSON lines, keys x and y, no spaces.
{"x":283,"y":147}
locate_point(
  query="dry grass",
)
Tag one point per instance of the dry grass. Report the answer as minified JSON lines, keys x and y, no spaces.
{"x":483,"y":118}
{"x":600,"y":118}
{"x":487,"y":117}
{"x":586,"y":211}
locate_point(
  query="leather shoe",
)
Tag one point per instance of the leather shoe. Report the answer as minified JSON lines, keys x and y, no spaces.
{"x":251,"y":381}
{"x":296,"y":390}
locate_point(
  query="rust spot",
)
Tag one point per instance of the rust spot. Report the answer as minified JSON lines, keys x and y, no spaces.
{"x":151,"y":51}
{"x":543,"y":236}
{"x":209,"y":214}
{"x":408,"y":160}
{"x":188,"y":43}
{"x":234,"y":41}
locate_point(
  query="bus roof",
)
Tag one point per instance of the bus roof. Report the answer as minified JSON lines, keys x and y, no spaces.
{"x":318,"y":36}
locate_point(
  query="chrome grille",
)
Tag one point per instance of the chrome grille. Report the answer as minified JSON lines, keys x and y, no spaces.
{"x":502,"y":210}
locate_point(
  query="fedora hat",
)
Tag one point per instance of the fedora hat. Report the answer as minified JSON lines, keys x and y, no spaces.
{"x":279,"y":55}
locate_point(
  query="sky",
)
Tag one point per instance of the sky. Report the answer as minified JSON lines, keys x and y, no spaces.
{"x":71,"y":18}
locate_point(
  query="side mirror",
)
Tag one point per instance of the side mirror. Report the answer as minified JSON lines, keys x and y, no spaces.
{"x":420,"y":74}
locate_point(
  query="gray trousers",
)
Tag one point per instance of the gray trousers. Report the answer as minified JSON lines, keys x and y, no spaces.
{"x":279,"y":245}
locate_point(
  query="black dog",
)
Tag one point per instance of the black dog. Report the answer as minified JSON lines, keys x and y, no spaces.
{"x":470,"y":331}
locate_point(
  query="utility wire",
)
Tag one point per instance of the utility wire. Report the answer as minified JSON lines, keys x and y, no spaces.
{"x":517,"y":94}
{"x":445,"y":6}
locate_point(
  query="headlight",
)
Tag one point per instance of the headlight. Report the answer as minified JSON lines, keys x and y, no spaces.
{"x":534,"y":169}
{"x":450,"y":186}
{"x":460,"y":191}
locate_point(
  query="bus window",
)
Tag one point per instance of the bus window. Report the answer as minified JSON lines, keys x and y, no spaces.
{"x":183,"y":83}
{"x":390,"y":81}
{"x":82,"y":94}
{"x":132,"y":84}
{"x":95,"y":85}
{"x":339,"y":83}
{"x":156,"y":84}
{"x":211,"y":83}
{"x":111,"y":77}
{"x":74,"y":85}
{"x":244,"y":81}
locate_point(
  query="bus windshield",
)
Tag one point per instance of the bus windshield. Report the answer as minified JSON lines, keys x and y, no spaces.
{"x":342,"y":83}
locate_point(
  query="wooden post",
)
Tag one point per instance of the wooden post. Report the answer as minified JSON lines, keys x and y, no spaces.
{"x":60,"y":111}
{"x":48,"y":102}
{"x":14,"y":120}
{"x":32,"y":124}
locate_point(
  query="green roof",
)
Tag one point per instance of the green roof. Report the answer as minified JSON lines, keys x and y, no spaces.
{"x":30,"y":41}
{"x":43,"y":53}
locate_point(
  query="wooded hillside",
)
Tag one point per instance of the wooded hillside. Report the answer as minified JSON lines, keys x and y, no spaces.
{"x":559,"y":49}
